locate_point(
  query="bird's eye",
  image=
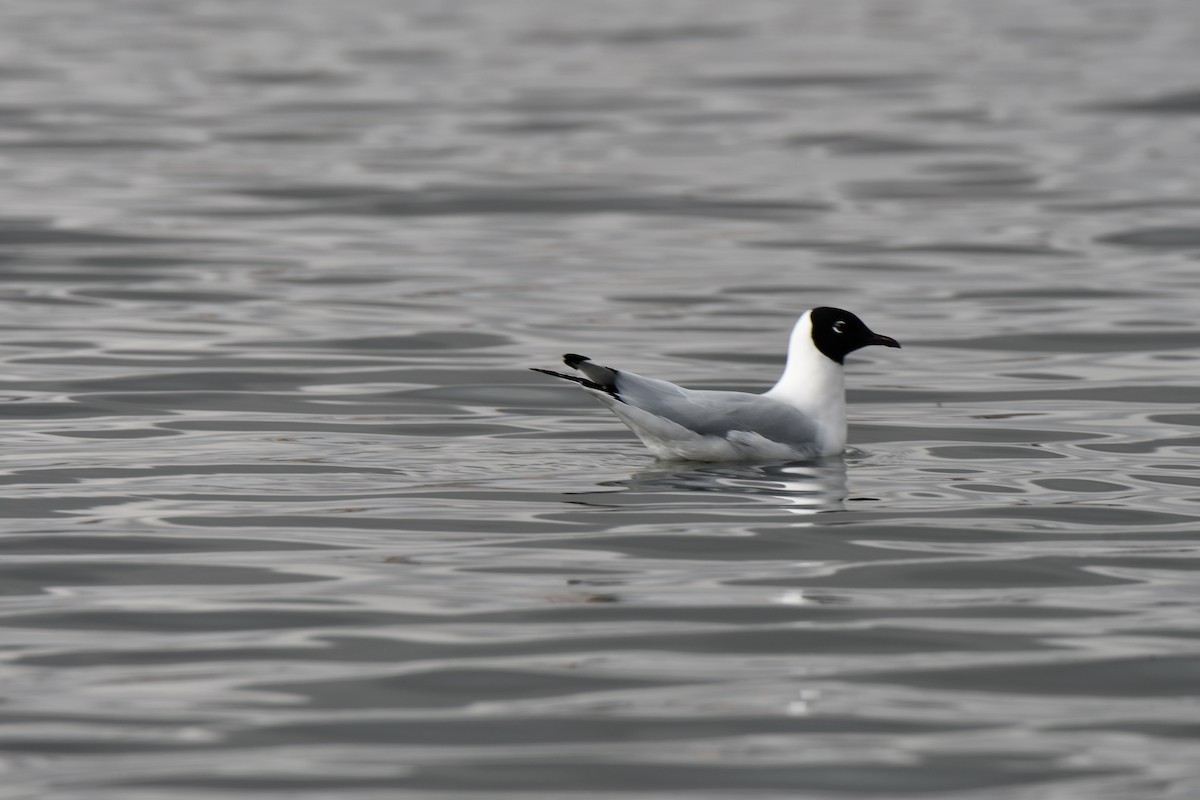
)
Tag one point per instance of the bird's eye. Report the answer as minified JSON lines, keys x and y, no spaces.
{"x":839,"y":326}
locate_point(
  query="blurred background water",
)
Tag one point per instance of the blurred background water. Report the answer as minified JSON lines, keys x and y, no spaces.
{"x":285,"y":516}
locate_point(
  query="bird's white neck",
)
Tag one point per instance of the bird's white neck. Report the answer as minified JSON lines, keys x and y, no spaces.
{"x":815,"y":384}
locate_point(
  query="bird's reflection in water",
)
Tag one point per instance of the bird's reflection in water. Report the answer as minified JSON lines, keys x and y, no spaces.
{"x":801,"y":487}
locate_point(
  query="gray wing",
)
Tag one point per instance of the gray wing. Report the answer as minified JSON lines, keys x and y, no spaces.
{"x":711,"y":413}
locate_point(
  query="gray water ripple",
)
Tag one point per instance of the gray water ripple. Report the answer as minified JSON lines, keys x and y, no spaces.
{"x":1164,"y":238}
{"x":484,"y":732}
{"x":1185,"y":102}
{"x":60,"y":544}
{"x":531,"y":775}
{"x":449,"y":687}
{"x":961,"y":574}
{"x":856,"y":81}
{"x":485,"y":200}
{"x":546,"y":620}
{"x":640,"y":36}
{"x":37,"y":578}
{"x":1147,"y":676}
{"x":864,"y":143}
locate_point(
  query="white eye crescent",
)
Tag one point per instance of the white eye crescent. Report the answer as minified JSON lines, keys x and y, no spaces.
{"x":839,"y":326}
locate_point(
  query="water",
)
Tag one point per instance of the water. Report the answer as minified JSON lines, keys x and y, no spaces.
{"x":284,"y":515}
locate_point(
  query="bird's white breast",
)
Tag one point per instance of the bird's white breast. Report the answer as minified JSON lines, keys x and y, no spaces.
{"x":816,"y":385}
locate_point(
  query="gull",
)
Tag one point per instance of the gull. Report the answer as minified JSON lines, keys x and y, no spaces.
{"x":802,"y":416}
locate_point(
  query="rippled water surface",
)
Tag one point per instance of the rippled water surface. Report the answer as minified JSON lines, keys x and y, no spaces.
{"x":285,"y":515}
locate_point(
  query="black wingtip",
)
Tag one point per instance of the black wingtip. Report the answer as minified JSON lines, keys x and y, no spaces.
{"x":573,"y":360}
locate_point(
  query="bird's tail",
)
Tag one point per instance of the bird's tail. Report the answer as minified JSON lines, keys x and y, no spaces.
{"x":584,"y":382}
{"x":598,"y":378}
